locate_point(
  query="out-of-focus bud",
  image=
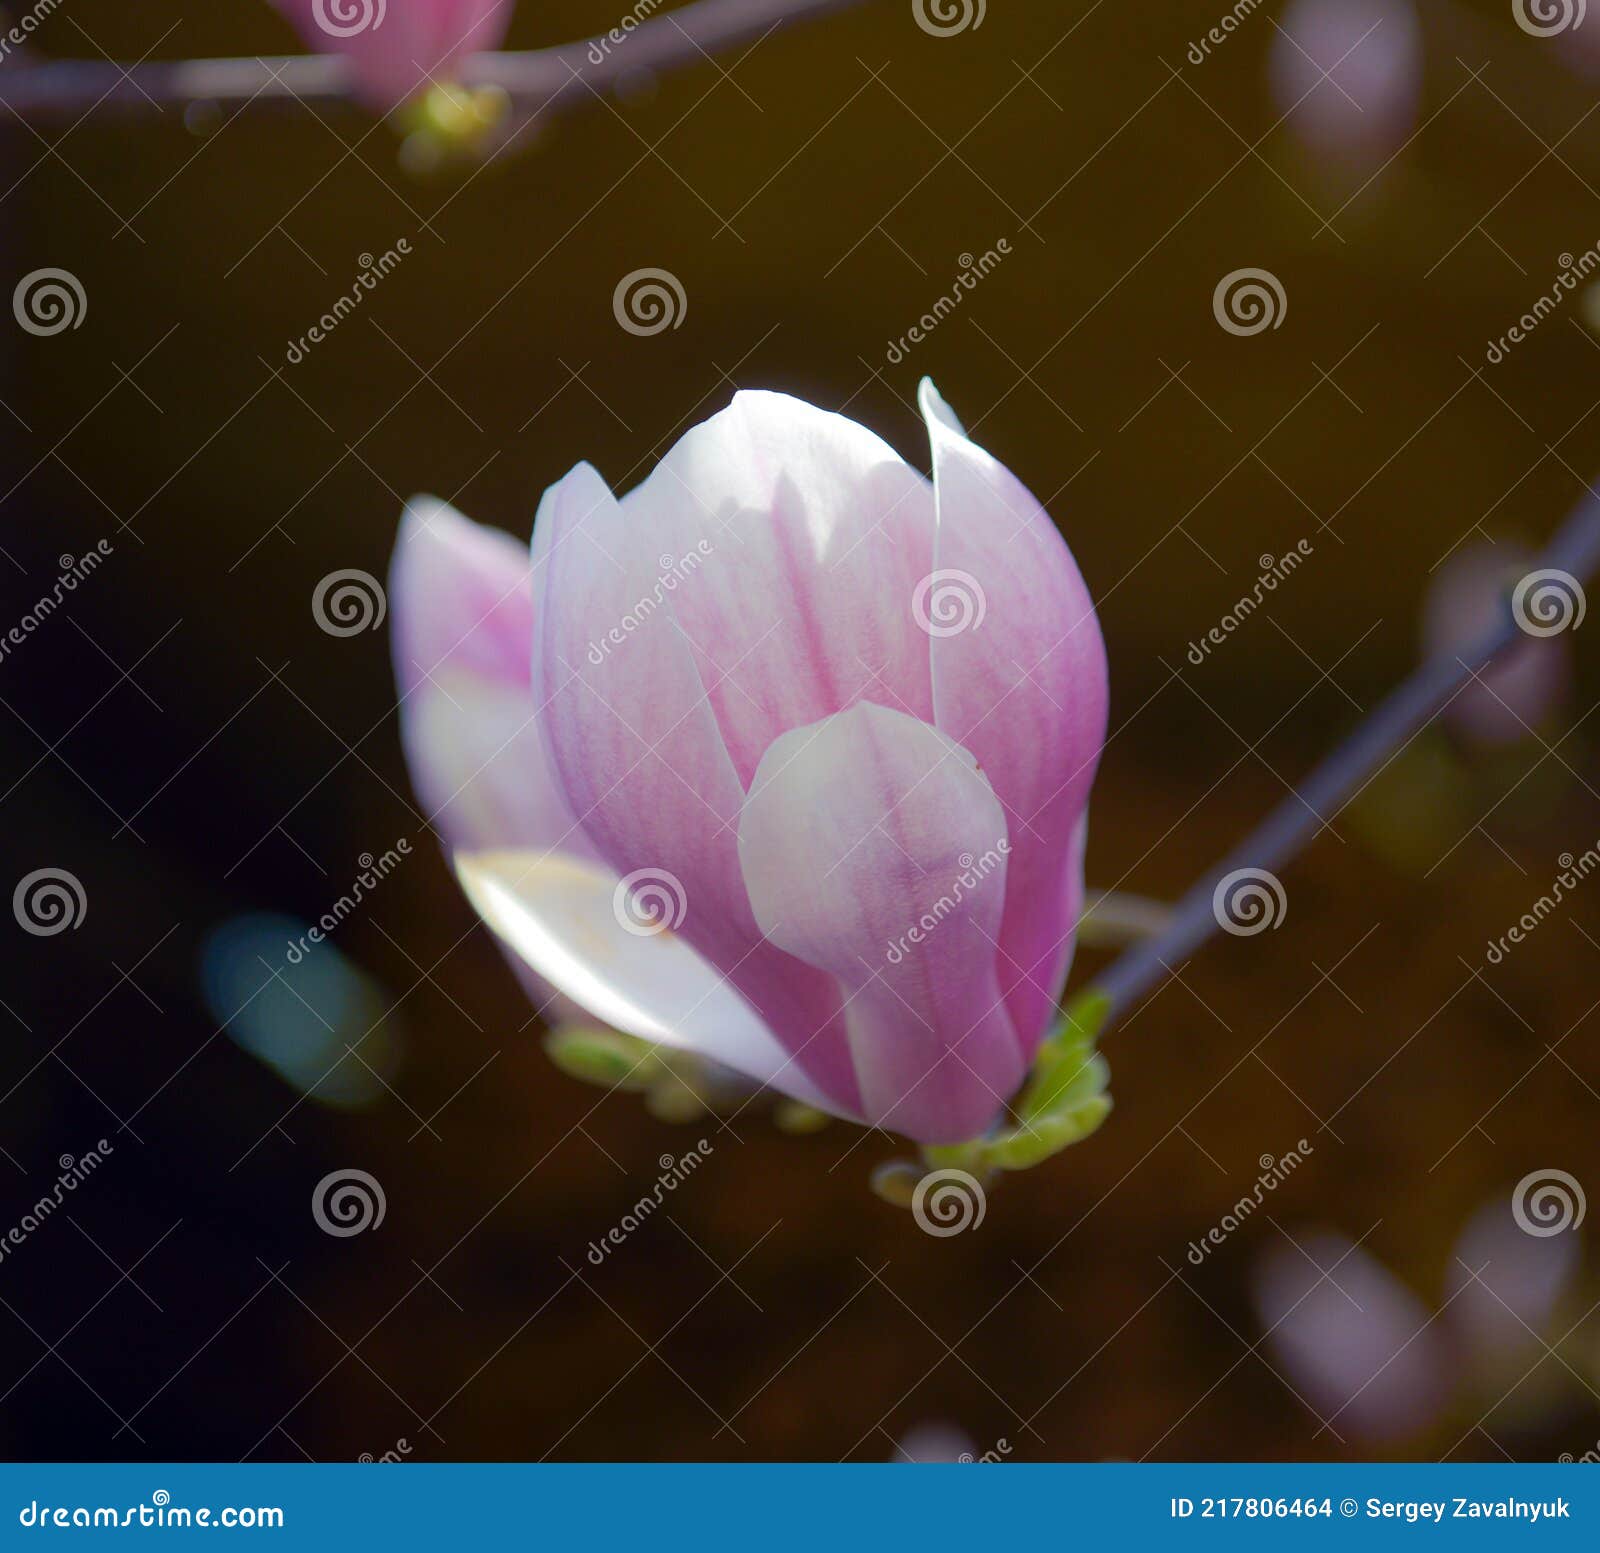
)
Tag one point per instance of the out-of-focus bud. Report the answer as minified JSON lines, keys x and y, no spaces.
{"x":1529,"y":682}
{"x":1353,"y":1339}
{"x":1347,"y":75}
{"x":1504,"y":1283}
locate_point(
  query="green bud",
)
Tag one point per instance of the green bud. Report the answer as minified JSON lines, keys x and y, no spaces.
{"x":1029,"y":1145}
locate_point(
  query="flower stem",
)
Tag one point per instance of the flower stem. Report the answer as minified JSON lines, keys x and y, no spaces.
{"x":1386,"y":730}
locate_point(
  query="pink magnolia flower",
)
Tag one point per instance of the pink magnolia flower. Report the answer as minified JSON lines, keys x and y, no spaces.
{"x":814,"y":738}
{"x":395,"y":46}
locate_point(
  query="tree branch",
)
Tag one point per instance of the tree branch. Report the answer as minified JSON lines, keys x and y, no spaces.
{"x":538,"y":81}
{"x":1331,"y":784}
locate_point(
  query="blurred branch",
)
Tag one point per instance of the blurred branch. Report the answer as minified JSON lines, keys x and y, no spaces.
{"x":537,"y":81}
{"x":1303,"y":813}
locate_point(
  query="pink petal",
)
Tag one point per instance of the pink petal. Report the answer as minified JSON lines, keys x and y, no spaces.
{"x":800,"y":526}
{"x":395,"y":46}
{"x":874,"y":850}
{"x":641,"y":759}
{"x":1022,"y":685}
{"x":461,"y":604}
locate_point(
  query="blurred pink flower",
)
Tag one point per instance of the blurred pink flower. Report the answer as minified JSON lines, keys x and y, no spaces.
{"x":1529,"y":681}
{"x":934,"y":1444}
{"x":1352,"y":1337}
{"x":396,"y":46}
{"x":827,"y":730}
{"x":1503,"y":1283}
{"x":1348,"y":75}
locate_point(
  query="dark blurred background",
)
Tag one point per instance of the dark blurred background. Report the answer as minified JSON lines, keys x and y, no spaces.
{"x":185,"y":741}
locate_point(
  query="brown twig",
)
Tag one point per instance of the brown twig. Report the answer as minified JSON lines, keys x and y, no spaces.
{"x":1575,"y":551}
{"x":538,"y":81}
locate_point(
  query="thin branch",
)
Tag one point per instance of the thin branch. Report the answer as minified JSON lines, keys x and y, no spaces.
{"x":538,"y":81}
{"x":1297,"y":819}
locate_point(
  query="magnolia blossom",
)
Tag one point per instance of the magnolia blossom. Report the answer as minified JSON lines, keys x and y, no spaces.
{"x":396,"y":47}
{"x":782,"y":758}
